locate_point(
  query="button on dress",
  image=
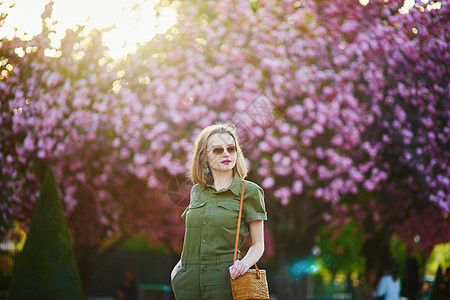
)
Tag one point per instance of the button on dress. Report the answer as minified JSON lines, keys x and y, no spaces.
{"x":211,"y":221}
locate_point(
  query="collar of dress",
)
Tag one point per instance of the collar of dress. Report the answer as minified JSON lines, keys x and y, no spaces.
{"x":235,"y":187}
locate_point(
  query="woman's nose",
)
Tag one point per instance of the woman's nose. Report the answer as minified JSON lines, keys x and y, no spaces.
{"x":225,"y":153}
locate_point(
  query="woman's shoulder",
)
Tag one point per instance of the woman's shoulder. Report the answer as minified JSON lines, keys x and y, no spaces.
{"x":196,"y":193}
{"x":195,"y":187}
{"x":252,"y":185}
{"x":254,"y":202}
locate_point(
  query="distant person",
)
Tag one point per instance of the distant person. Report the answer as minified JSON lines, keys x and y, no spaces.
{"x":411,"y":285}
{"x":426,"y":290}
{"x":129,"y":289}
{"x":389,"y":285}
{"x":438,"y":285}
{"x":446,"y":285}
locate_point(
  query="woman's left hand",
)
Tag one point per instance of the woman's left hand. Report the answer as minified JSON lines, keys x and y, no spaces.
{"x":238,"y":268}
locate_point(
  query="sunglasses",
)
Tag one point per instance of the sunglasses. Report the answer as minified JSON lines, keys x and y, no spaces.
{"x":220,"y":150}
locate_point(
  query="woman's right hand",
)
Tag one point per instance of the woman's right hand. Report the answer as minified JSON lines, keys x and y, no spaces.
{"x":175,"y":270}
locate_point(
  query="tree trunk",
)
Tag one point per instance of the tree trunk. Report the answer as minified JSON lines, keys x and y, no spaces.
{"x":376,"y":250}
{"x":294,"y":228}
{"x":292,"y":268}
{"x":88,"y":258}
{"x":84,"y":262}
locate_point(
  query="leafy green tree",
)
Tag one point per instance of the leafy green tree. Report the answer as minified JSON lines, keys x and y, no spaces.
{"x":340,"y":250}
{"x":46,"y":268}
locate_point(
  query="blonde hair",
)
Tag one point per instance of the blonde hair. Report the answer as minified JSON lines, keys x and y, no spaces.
{"x":199,"y":158}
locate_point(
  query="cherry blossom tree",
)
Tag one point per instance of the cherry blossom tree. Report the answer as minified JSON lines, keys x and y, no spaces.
{"x":321,"y":118}
{"x":340,"y":107}
{"x":62,"y":112}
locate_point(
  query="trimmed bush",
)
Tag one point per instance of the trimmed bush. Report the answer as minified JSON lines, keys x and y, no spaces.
{"x":46,"y":268}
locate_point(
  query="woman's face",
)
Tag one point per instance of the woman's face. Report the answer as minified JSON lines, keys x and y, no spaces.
{"x":221,"y":152}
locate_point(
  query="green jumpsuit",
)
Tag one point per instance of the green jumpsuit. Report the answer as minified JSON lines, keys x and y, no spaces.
{"x":208,"y":248}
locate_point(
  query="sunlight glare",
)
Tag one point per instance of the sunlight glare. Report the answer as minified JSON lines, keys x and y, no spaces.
{"x":168,"y":18}
{"x":364,"y":2}
{"x":434,"y":5}
{"x":407,"y":5}
{"x":132,"y":28}
{"x":17,"y":13}
{"x":128,"y":22}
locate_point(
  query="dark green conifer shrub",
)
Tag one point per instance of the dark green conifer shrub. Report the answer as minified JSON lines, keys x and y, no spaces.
{"x":46,"y":268}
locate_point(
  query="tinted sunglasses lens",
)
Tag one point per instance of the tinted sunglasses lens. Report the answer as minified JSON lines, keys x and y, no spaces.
{"x":218,"y":151}
{"x":231,"y":149}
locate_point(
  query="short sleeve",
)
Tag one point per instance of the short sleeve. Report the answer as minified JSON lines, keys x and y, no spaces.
{"x":255,"y":208}
{"x":192,"y":197}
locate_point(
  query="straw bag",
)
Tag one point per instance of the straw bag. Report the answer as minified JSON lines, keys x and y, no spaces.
{"x":253,"y":284}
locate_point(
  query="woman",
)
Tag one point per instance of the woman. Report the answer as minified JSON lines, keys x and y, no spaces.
{"x":218,"y":172}
{"x":389,"y":286}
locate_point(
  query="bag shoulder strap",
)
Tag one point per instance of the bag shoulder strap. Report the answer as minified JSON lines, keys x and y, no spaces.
{"x":239,"y":226}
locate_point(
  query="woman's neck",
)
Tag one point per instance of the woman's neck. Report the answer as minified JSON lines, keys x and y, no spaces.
{"x":222,"y":180}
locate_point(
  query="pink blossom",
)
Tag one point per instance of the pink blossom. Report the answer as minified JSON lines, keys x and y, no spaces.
{"x":295,"y":112}
{"x":297,"y":187}
{"x":263,"y":172}
{"x":337,"y":140}
{"x":350,"y":26}
{"x":80,"y":177}
{"x":319,"y":193}
{"x":340,"y":60}
{"x":284,"y":194}
{"x":324,"y":173}
{"x":317,"y":127}
{"x":28,"y":143}
{"x":277,"y":157}
{"x":265,"y":147}
{"x":327,"y":217}
{"x":284,"y":129}
{"x":369,"y":186}
{"x":268,"y":183}
{"x":294,"y":155}
{"x":140,"y":158}
{"x":41,"y":154}
{"x":356,"y":175}
{"x":124,"y":153}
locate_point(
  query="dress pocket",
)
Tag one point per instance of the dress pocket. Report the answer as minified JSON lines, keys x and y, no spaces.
{"x":194,"y":214}
{"x":227,"y":213}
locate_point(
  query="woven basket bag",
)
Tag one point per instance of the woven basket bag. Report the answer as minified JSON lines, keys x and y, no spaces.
{"x":253,"y":284}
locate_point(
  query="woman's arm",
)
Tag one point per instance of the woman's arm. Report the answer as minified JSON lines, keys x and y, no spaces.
{"x":255,"y":252}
